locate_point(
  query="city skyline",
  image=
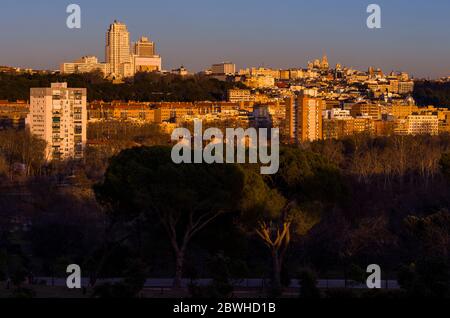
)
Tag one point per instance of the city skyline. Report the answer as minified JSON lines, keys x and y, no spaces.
{"x":264,"y":154}
{"x":200,"y":35}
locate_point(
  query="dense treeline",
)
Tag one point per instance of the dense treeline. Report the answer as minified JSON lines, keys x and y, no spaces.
{"x":329,"y":208}
{"x":432,"y":93}
{"x":333,"y":208}
{"x":143,"y":87}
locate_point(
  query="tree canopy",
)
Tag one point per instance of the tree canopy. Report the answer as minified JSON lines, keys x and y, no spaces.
{"x":432,"y":93}
{"x":144,"y":87}
{"x":182,"y":198}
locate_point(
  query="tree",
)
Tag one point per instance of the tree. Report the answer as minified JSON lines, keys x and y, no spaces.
{"x":153,"y":87}
{"x":183,"y":199}
{"x":287,"y":203}
{"x":445,"y":165}
{"x":308,"y":285}
{"x":222,"y":269}
{"x":428,"y":236}
{"x":370,"y":241}
{"x":428,"y":277}
{"x":432,"y":93}
{"x":22,"y":147}
{"x":266,"y":214}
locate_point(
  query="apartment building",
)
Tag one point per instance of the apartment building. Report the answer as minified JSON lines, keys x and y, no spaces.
{"x":58,"y":115}
{"x":422,"y":124}
{"x":417,"y":125}
{"x":366,"y":109}
{"x":309,"y":116}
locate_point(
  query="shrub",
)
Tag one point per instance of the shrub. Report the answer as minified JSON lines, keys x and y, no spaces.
{"x":308,"y":284}
{"x":23,"y":293}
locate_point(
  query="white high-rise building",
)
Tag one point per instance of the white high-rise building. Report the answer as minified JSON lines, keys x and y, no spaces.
{"x":58,"y":115}
{"x":118,"y":53}
{"x":122,"y":62}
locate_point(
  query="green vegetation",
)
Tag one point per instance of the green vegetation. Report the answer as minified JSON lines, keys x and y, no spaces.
{"x":144,"y":87}
{"x":432,"y":93}
{"x":183,"y":199}
{"x":334,"y":207}
{"x":286,"y":205}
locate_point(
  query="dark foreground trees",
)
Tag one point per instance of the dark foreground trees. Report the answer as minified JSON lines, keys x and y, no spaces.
{"x":445,"y":165}
{"x":149,"y":87}
{"x":145,"y":183}
{"x":21,"y":147}
{"x":432,"y":93}
{"x":286,"y":205}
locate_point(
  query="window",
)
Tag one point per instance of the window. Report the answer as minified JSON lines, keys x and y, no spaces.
{"x":78,"y":129}
{"x":78,"y":95}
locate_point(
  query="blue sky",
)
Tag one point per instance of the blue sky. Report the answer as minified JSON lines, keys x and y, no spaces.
{"x":415,"y":35}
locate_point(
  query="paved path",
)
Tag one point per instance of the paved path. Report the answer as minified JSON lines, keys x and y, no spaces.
{"x":243,"y":283}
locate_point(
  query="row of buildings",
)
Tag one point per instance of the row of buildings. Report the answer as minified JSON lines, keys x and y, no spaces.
{"x":311,"y":118}
{"x":59,"y":115}
{"x":314,"y":103}
{"x":124,"y":60}
{"x":302,"y":117}
{"x":121,"y":58}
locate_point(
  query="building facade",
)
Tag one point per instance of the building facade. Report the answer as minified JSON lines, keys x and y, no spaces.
{"x":58,"y":115}
{"x":225,"y":68}
{"x":422,"y":124}
{"x":240,"y":95}
{"x":117,"y":50}
{"x":85,"y":64}
{"x":309,"y":116}
{"x":144,"y":58}
{"x":144,"y":47}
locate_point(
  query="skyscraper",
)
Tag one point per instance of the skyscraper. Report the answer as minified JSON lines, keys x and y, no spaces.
{"x":291,"y":118}
{"x":117,"y":51}
{"x":144,"y":47}
{"x":144,"y":58}
{"x":58,"y":115}
{"x":309,"y":116}
{"x":124,"y":63}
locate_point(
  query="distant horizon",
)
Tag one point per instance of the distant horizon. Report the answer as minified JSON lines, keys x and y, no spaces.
{"x":239,"y":68}
{"x":255,"y":33}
